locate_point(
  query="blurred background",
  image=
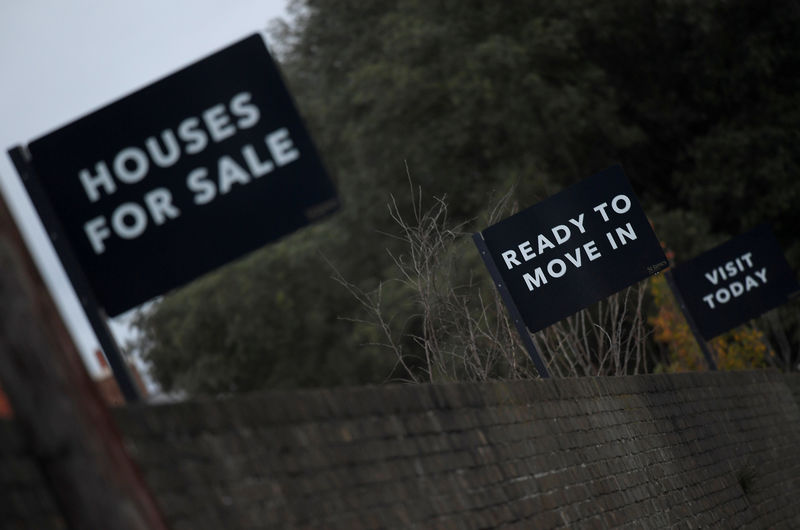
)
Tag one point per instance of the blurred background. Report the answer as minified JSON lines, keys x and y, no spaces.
{"x":438,"y":118}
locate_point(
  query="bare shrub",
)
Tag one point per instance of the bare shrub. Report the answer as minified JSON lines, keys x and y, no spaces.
{"x":463,"y":330}
{"x":607,"y":339}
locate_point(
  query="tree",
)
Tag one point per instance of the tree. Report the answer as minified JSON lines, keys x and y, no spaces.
{"x":742,"y":348}
{"x":697,"y":100}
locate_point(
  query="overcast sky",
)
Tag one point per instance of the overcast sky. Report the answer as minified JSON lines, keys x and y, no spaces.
{"x":61,"y":59}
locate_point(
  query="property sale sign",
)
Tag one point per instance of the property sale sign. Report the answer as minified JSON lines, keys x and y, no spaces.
{"x":574,"y":248}
{"x":182,"y":176}
{"x":735,"y":282}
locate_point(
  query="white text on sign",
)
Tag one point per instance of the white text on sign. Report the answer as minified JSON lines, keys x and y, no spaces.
{"x":744,"y":279}
{"x":561,"y":234}
{"x":192,"y":136}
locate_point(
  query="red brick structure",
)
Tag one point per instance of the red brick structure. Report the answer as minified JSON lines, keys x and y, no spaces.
{"x":108,"y":387}
{"x":109,"y":390}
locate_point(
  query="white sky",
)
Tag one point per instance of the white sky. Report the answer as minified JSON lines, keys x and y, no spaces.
{"x":61,"y":59}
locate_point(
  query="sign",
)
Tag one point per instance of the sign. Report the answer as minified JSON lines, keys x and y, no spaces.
{"x":574,"y":248}
{"x":182,"y":176}
{"x":735,"y":282}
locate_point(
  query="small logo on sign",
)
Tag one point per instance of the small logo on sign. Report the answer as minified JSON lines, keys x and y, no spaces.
{"x":658,"y":267}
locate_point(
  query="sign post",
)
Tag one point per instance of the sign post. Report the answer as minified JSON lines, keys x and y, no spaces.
{"x":571,"y":250}
{"x":174,"y":180}
{"x":511,"y":306}
{"x":119,"y":368}
{"x":701,"y":342}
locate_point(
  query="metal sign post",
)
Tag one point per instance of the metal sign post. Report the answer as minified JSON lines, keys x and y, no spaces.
{"x":712,"y":365}
{"x":512,"y":307}
{"x":93,"y":312}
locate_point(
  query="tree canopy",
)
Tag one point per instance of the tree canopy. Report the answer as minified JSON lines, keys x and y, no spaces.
{"x":698,"y":101}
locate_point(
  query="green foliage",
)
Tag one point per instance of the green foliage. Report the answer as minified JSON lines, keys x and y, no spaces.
{"x":698,"y":100}
{"x":713,"y":88}
{"x":265,"y":321}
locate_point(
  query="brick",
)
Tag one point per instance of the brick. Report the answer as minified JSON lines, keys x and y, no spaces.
{"x":648,"y":451}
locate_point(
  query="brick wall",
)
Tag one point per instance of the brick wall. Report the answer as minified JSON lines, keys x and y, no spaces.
{"x":650,"y":451}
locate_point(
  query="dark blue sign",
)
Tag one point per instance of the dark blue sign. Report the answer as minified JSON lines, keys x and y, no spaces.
{"x":182,"y":176}
{"x":735,"y":282}
{"x":575,"y":248}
